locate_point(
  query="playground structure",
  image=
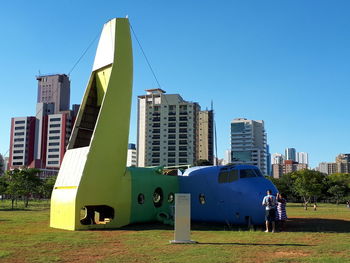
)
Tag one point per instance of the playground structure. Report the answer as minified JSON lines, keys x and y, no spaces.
{"x":94,"y":188}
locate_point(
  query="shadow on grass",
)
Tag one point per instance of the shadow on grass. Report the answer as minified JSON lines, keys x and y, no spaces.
{"x":256,"y":244}
{"x":317,"y":225}
{"x":293,"y":225}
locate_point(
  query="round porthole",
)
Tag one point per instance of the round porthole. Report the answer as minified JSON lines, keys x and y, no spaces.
{"x":202,"y":199}
{"x":171,"y":198}
{"x":141,"y":199}
{"x":158,"y":197}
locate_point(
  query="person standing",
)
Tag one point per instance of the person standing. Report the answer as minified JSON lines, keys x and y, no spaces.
{"x":269,"y":202}
{"x":281,"y":213}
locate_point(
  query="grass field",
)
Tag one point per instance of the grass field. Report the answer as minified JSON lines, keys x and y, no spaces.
{"x":311,"y":236}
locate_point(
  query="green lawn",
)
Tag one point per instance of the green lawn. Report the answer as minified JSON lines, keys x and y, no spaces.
{"x":311,"y":236}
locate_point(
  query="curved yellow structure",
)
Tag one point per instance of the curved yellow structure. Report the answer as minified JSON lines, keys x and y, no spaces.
{"x":93,"y":181}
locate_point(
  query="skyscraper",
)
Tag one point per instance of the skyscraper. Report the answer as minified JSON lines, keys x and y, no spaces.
{"x":205,"y":136}
{"x":303,"y":157}
{"x":132,"y":155}
{"x":40,"y":141}
{"x":248,"y":143}
{"x":168,"y":130}
{"x":22,"y":139}
{"x":290,"y":154}
{"x":54,"y":89}
{"x":277,"y":158}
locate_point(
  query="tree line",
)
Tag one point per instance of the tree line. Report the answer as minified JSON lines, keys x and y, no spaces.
{"x":24,"y":184}
{"x":312,"y":186}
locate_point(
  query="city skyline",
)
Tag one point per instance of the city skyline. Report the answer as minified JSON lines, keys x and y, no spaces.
{"x":245,"y":57}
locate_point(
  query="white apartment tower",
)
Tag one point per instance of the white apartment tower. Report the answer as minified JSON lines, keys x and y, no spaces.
{"x":132,"y":155}
{"x":303,"y":157}
{"x":248,"y":143}
{"x":167,"y":127}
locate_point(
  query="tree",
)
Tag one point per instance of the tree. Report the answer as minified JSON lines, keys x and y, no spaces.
{"x":47,"y":186}
{"x":309,"y":184}
{"x":24,"y":182}
{"x":339,"y":186}
{"x":3,"y":186}
{"x":285,"y":185}
{"x":2,"y":165}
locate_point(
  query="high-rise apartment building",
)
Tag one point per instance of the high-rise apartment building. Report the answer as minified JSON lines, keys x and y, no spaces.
{"x":54,"y":89}
{"x":288,"y":166}
{"x":290,"y":154}
{"x":40,"y":141}
{"x":205,"y":136}
{"x":327,"y":168}
{"x":168,"y":130}
{"x":277,"y":158}
{"x":132,"y":155}
{"x":302,"y":157}
{"x":22,"y":139}
{"x":248,"y":143}
{"x":227,"y":157}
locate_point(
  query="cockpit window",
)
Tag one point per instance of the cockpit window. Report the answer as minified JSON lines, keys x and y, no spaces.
{"x":223,"y":176}
{"x":228,"y":176}
{"x":233,"y":176}
{"x":258,"y":173}
{"x":246,"y":173}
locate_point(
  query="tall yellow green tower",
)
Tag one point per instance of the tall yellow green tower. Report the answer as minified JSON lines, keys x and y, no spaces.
{"x":93,"y":187}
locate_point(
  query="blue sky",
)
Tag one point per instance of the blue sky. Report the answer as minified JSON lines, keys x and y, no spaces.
{"x":284,"y":62}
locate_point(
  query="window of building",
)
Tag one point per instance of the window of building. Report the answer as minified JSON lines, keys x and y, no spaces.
{"x":54,"y":137}
{"x":172,"y":131}
{"x":19,"y":128}
{"x":156,"y":130}
{"x":54,"y":143}
{"x":55,"y":125}
{"x":182,"y":148}
{"x":19,"y":133}
{"x":19,"y":140}
{"x":171,"y":142}
{"x":171,"y":154}
{"x":17,"y":157}
{"x":20,"y":122}
{"x":55,"y":119}
{"x":17,"y":163}
{"x":54,"y":131}
{"x":18,"y":151}
{"x":52,"y":162}
{"x":54,"y":150}
{"x":182,"y":160}
{"x":53,"y":156}
{"x":171,"y":148}
{"x":18,"y":145}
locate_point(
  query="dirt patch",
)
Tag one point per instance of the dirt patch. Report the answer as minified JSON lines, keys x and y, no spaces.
{"x":291,"y":254}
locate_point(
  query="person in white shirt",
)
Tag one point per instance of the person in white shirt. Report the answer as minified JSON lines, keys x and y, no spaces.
{"x":269,"y":202}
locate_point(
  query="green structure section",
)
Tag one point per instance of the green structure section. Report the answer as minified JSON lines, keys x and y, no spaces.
{"x":152,"y":195}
